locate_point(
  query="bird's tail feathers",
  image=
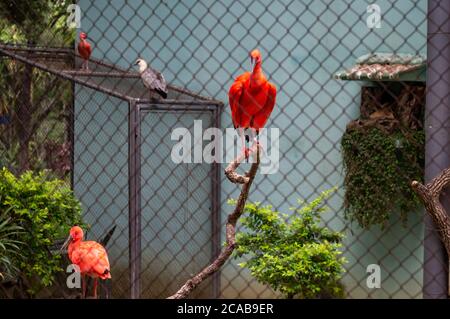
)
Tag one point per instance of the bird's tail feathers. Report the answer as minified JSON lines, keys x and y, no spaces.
{"x":162,"y":93}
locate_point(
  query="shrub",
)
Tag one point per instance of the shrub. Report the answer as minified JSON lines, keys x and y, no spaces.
{"x":10,"y":246}
{"x":292,"y":254}
{"x":45,"y":208}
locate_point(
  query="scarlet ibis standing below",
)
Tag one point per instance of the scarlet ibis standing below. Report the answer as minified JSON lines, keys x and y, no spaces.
{"x":90,"y":256}
{"x":252,"y":98}
{"x":85,"y":50}
{"x":152,"y":79}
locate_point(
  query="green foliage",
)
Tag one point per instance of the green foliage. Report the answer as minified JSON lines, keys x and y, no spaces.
{"x":379,"y":168}
{"x":43,"y":122}
{"x":10,"y":246}
{"x":292,"y":254}
{"x":33,"y":20}
{"x":45,"y":209}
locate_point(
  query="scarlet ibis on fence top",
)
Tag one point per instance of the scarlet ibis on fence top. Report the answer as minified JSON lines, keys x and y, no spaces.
{"x":85,"y":50}
{"x":89,"y":256}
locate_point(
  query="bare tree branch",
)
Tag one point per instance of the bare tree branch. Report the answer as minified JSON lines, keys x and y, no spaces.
{"x":230,"y":171}
{"x":226,"y":252}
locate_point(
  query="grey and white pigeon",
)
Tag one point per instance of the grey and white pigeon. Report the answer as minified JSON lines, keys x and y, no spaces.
{"x":152,"y":79}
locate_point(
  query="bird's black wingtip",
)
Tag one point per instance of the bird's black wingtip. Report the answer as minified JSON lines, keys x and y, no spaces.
{"x":162,"y":93}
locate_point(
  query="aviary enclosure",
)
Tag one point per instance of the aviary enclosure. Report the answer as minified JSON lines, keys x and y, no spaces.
{"x":314,"y":180}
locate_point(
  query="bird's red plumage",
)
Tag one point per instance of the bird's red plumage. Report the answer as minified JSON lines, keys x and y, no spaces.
{"x":91,"y":257}
{"x":252,"y":99}
{"x":84,"y":49}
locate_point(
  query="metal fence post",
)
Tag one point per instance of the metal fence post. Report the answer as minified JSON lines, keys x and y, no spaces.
{"x":216,"y":220}
{"x":134,"y":184}
{"x":437,"y":121}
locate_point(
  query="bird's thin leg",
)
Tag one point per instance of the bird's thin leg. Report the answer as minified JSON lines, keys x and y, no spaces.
{"x":95,"y":288}
{"x":254,"y":136}
{"x":244,"y":141}
{"x":83,"y":285}
{"x":256,"y":140}
{"x":241,"y":134}
{"x":87,"y":65}
{"x":247,"y":147}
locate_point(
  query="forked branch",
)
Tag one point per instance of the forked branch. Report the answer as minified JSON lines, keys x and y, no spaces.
{"x":429,"y":195}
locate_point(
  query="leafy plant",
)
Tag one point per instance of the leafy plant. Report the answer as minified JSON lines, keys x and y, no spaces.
{"x":292,"y":254}
{"x":379,"y":167}
{"x":35,"y":20}
{"x":10,"y":246}
{"x":45,"y":208}
{"x":38,"y":103}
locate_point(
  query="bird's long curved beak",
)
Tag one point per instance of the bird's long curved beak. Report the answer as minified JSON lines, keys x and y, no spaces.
{"x":66,"y":243}
{"x":252,"y":61}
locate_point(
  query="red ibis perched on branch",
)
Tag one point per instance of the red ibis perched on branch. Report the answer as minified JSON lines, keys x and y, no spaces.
{"x":85,"y":50}
{"x":252,"y":99}
{"x":152,"y":79}
{"x":89,"y":256}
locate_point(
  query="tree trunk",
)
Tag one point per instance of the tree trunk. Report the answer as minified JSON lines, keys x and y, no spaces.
{"x":23,"y":119}
{"x":430,"y":195}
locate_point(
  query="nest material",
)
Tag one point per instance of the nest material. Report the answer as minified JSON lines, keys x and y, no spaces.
{"x":388,"y":112}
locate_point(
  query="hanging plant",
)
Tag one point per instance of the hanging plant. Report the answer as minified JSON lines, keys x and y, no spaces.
{"x":379,"y":166}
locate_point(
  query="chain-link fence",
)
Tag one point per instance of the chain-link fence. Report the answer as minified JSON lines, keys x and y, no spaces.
{"x":350,"y":109}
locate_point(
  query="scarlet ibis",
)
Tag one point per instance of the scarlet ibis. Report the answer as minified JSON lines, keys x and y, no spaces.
{"x":252,"y":98}
{"x":89,"y":256}
{"x":152,"y":79}
{"x":85,"y":50}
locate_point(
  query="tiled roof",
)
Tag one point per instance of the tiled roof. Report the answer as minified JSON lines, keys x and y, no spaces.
{"x":383,"y":66}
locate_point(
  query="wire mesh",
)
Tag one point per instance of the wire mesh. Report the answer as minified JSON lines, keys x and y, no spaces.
{"x":77,"y":123}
